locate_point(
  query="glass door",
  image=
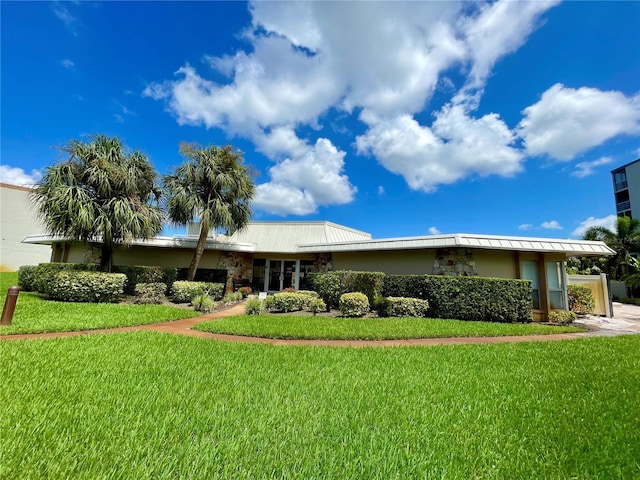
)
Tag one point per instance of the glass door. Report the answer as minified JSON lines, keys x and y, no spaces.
{"x":275,"y":275}
{"x":282,"y":274}
{"x":288,"y":274}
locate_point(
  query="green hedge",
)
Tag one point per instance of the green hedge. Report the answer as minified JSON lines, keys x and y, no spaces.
{"x":354,"y":304}
{"x":46,"y":272}
{"x":331,"y":285}
{"x":466,"y":298}
{"x":149,"y":293}
{"x":92,"y":287}
{"x":146,"y":274}
{"x":402,"y":307}
{"x":26,"y":277}
{"x":581,"y":299}
{"x":290,"y":301}
{"x":184,"y":291}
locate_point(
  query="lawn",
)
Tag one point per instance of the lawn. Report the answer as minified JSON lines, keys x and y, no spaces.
{"x":331,"y":328}
{"x":33,"y":314}
{"x":150,"y":405}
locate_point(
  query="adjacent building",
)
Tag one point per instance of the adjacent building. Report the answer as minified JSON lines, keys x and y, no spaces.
{"x":626,"y":189}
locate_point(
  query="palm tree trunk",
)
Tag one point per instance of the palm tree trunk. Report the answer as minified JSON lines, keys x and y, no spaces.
{"x":198,"y":254}
{"x":105,"y":257}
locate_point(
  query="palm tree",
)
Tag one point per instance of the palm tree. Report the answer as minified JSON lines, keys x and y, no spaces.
{"x":213,"y":185}
{"x":101,"y":194}
{"x":625,"y":240}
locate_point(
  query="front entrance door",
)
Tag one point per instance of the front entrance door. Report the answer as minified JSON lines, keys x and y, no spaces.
{"x":281,"y":275}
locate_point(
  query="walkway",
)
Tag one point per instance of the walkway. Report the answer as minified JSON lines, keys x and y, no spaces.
{"x":626,"y":321}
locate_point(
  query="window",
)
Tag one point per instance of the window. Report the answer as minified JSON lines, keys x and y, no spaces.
{"x":555,"y":277}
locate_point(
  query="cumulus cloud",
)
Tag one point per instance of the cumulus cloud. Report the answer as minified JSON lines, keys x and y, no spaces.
{"x":434,"y":231}
{"x":17,"y":176}
{"x":567,"y":121}
{"x":607,"y":222}
{"x":382,"y":61}
{"x":584,"y":169}
{"x":551,"y":225}
{"x":525,"y":226}
{"x":68,"y":64}
{"x":455,"y":147}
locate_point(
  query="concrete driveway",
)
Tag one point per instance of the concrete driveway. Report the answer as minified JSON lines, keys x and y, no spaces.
{"x":626,"y":319}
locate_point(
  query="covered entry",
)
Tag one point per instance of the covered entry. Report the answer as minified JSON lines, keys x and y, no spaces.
{"x":274,"y":275}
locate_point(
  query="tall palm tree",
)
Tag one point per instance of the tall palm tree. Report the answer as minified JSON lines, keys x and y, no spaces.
{"x":625,"y":240}
{"x":214,"y":185}
{"x":102,"y":194}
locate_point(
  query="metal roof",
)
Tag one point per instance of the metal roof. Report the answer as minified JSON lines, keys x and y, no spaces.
{"x":490,"y":242}
{"x":318,"y":237}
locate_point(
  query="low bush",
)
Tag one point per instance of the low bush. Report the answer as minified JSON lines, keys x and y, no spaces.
{"x":94,"y":287}
{"x":146,"y":274}
{"x":268,"y":302}
{"x":317,"y":305}
{"x":26,"y":277}
{"x":150,"y":293}
{"x":581,"y":299}
{"x":309,"y":293}
{"x":288,"y":301}
{"x":45,"y":273}
{"x":183,"y":291}
{"x":253,"y":306}
{"x":331,"y":285}
{"x":203,"y":303}
{"x":231,"y":298}
{"x":245,"y":291}
{"x":403,"y":307}
{"x":562,"y":317}
{"x":354,"y":304}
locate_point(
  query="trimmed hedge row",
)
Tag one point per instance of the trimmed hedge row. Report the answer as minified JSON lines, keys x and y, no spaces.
{"x":147,"y":293}
{"x":137,"y":274}
{"x":331,"y":285}
{"x":466,"y":298}
{"x":184,"y":291}
{"x":39,"y":278}
{"x":94,"y":287}
{"x":402,"y":307}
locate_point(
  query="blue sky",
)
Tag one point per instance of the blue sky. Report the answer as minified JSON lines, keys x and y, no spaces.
{"x":395,"y":118}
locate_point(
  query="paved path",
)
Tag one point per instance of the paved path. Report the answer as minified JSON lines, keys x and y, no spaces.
{"x":626,"y":321}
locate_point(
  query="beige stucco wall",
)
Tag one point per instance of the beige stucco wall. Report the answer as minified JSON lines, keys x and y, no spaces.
{"x":17,"y":221}
{"x":395,"y":263}
{"x":495,"y":263}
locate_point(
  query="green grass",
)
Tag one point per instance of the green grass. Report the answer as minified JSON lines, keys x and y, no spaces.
{"x":148,"y":405}
{"x":309,"y":327}
{"x":33,"y":314}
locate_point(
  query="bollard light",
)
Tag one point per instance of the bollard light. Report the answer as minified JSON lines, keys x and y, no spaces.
{"x":9,"y":305}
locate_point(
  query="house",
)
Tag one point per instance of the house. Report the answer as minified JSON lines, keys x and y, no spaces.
{"x":18,"y":219}
{"x":626,"y":189}
{"x":271,"y":256}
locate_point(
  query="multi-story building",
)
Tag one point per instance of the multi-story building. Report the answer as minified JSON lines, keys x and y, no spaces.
{"x":626,"y":189}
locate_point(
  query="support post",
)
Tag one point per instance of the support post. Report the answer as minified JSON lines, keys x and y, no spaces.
{"x":9,"y":305}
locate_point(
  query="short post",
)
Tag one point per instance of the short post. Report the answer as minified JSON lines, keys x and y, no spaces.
{"x":9,"y":305}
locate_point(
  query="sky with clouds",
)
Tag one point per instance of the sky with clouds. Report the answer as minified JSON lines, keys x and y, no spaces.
{"x":397,"y":118}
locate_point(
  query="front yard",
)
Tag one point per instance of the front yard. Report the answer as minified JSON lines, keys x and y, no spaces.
{"x":150,"y":405}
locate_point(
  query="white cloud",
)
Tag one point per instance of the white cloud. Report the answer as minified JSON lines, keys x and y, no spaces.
{"x":525,"y":226}
{"x":455,"y":147}
{"x":66,"y":63}
{"x":551,"y":225}
{"x":607,"y":222}
{"x":434,"y":231}
{"x":566,"y":121}
{"x":584,"y":169}
{"x":63,"y":13}
{"x":310,"y":177}
{"x":17,"y":176}
{"x":381,"y":190}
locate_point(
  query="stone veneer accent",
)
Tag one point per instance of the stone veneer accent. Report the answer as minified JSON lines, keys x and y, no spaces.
{"x":455,"y":262}
{"x":322,"y":261}
{"x":239,"y":266}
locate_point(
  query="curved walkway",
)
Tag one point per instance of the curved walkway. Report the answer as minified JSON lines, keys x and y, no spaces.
{"x":627,"y":321}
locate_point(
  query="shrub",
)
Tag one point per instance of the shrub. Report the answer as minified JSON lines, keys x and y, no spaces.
{"x":581,"y":300}
{"x":245,"y":291}
{"x":408,"y":286}
{"x":253,"y":306}
{"x":354,"y":304}
{"x":183,"y":291}
{"x":331,"y":285}
{"x":203,"y":303}
{"x":317,"y":305}
{"x":150,"y":292}
{"x":289,"y":301}
{"x":45,"y":273}
{"x":26,"y":277}
{"x":94,"y":287}
{"x":562,"y":317}
{"x":231,"y":298}
{"x":309,"y":293}
{"x":268,"y":302}
{"x":404,"y":307}
{"x":146,"y":274}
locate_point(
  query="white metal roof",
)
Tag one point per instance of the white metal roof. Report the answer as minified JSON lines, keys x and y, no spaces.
{"x":318,"y":237}
{"x":459,"y":240}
